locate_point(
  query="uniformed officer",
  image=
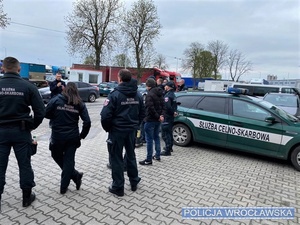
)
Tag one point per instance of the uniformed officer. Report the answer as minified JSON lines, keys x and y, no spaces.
{"x":170,"y":113}
{"x":64,"y":111}
{"x":57,"y":86}
{"x":16,"y":123}
{"x":121,"y":116}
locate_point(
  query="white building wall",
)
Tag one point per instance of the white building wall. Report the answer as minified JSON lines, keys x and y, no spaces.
{"x":88,"y":76}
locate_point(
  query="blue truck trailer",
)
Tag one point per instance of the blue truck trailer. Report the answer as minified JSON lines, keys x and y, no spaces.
{"x":35,"y":73}
{"x":191,"y":82}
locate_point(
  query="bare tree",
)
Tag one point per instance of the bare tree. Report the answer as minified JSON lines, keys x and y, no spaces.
{"x":4,"y":20}
{"x":142,"y":27}
{"x":238,"y":65}
{"x":92,"y":27}
{"x":160,"y":62}
{"x":219,"y":51}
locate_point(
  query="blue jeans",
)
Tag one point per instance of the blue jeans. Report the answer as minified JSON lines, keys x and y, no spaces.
{"x":152,"y":134}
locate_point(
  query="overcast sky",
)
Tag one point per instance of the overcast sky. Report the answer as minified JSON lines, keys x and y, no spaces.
{"x":267,"y":32}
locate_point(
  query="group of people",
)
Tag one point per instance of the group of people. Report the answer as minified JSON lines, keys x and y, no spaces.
{"x":17,"y":98}
{"x":122,"y":114}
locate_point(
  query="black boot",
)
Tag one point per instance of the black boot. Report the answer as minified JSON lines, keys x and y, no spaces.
{"x":28,"y":197}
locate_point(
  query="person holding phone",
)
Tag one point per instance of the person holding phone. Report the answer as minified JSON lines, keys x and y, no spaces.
{"x":57,"y":86}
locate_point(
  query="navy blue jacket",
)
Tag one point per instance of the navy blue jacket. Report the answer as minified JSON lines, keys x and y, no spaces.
{"x":170,"y":105}
{"x":16,"y":95}
{"x":54,"y":89}
{"x":64,"y":119}
{"x":123,"y":110}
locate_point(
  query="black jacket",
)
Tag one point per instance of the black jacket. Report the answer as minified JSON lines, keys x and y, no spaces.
{"x":54,"y":89}
{"x":123,"y":110}
{"x":64,"y":119}
{"x":16,"y":95}
{"x":154,"y":104}
{"x":171,"y":105}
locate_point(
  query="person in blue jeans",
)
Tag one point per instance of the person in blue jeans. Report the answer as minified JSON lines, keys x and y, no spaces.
{"x":154,"y":106}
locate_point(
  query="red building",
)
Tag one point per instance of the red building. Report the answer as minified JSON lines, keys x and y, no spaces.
{"x":110,"y":73}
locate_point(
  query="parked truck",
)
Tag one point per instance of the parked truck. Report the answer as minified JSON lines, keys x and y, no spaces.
{"x":35,"y":73}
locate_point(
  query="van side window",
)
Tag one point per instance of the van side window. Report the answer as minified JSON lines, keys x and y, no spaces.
{"x":213,"y":104}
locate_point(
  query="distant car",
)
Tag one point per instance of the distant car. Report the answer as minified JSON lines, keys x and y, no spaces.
{"x":288,"y":102}
{"x":143,"y":90}
{"x":87,"y":92}
{"x":106,"y":87}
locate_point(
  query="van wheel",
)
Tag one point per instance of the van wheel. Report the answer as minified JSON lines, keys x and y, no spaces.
{"x":92,"y":98}
{"x":295,"y":158}
{"x":182,"y":135}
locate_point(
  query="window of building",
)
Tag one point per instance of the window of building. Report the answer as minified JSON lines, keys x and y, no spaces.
{"x":93,"y":78}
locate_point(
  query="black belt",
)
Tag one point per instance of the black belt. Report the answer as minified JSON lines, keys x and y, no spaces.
{"x":11,"y":124}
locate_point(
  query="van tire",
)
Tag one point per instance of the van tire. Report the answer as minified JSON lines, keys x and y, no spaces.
{"x":295,"y":158}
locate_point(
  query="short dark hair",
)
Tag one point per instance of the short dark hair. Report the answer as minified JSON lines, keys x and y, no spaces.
{"x":11,"y":64}
{"x":125,"y":75}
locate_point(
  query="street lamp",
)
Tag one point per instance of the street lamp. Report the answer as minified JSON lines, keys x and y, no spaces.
{"x":177,"y":62}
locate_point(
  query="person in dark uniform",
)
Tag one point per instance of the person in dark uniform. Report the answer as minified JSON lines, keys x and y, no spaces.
{"x":57,"y":86}
{"x":64,"y":111}
{"x":170,"y":113}
{"x":16,"y":124}
{"x":121,"y":116}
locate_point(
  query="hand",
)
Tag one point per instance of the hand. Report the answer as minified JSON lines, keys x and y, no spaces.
{"x":161,"y":118}
{"x":58,"y":84}
{"x":175,"y":114}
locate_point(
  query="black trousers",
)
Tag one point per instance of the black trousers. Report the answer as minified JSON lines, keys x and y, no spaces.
{"x":115,"y":149}
{"x":167,"y":134}
{"x":20,"y":140}
{"x":63,"y":153}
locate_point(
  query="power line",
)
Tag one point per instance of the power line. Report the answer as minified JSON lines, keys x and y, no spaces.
{"x":42,"y":28}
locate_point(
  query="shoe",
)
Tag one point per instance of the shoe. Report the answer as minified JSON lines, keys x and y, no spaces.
{"x":138,"y":145}
{"x":108,"y":166}
{"x":165,"y":153}
{"x":154,"y":157}
{"x":79,"y":180}
{"x":145,"y":162}
{"x":166,"y":149}
{"x":28,"y":197}
{"x":134,"y":187}
{"x":116,"y":192}
{"x":63,"y":190}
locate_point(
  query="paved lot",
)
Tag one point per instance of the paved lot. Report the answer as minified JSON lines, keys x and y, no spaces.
{"x":191,"y":177}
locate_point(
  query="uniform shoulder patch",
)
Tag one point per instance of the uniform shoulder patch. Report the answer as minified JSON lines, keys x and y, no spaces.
{"x":106,"y":102}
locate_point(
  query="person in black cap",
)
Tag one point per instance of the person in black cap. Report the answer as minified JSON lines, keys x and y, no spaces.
{"x":170,"y":113}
